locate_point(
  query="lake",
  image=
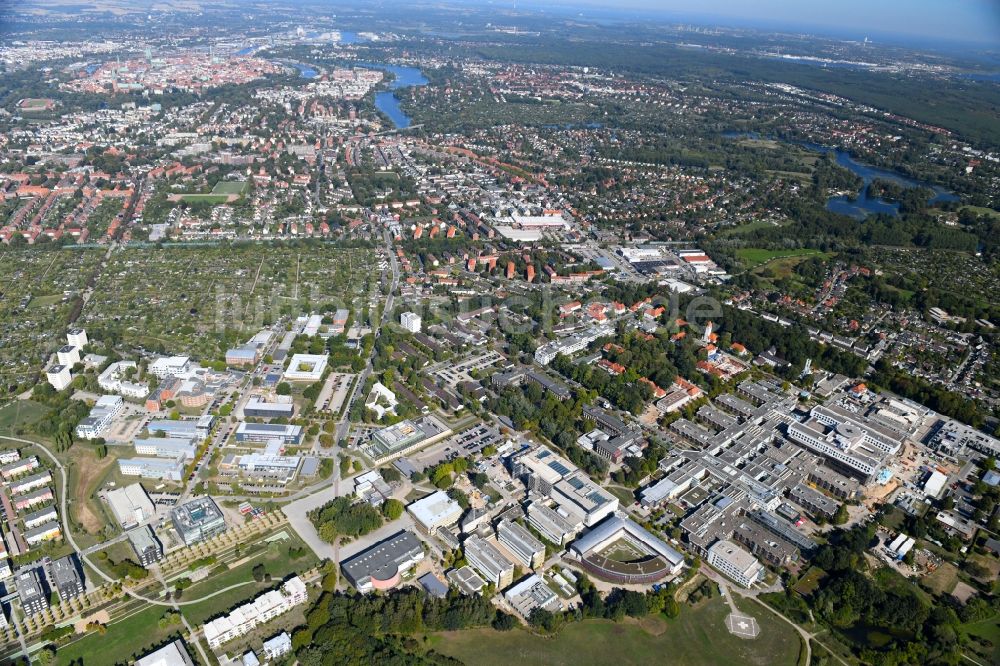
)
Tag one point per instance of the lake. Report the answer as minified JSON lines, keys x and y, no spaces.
{"x":862,"y":205}
{"x":386,"y":100}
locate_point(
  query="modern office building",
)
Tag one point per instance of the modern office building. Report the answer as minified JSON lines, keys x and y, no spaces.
{"x":131,"y":505}
{"x":170,"y":366}
{"x":163,"y":469}
{"x":166,"y":447}
{"x":65,"y":577}
{"x":265,"y":432}
{"x":519,"y":542}
{"x":147,"y":547}
{"x":532,"y":593}
{"x":559,"y":528}
{"x":381,"y":566}
{"x":101,"y":415}
{"x":279,"y":406}
{"x":114,"y":379}
{"x":489,"y":561}
{"x":735,"y":563}
{"x":183,"y":429}
{"x":197,"y":520}
{"x":306,"y":368}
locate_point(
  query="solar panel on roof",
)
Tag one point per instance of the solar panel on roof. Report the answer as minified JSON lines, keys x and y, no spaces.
{"x":559,"y":467}
{"x":597,"y":498}
{"x":576,"y":483}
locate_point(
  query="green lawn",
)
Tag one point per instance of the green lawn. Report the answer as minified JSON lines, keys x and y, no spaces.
{"x":18,"y":414}
{"x":275,"y":559}
{"x":229,"y":187}
{"x":755,"y":256}
{"x":982,"y":210}
{"x":698,"y":636}
{"x":988,"y":630}
{"x":125,"y":640}
{"x":206,"y":198}
{"x":745,"y":228}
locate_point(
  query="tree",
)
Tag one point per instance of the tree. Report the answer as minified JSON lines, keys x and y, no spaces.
{"x":259,"y":572}
{"x":283,"y":388}
{"x":504,"y":621}
{"x":841,"y":516}
{"x":392,"y":509}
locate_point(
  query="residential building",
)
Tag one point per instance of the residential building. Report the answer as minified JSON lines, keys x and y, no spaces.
{"x":17,"y":468}
{"x":46,"y":532}
{"x":59,"y":376}
{"x":114,"y":380}
{"x":278,"y":646}
{"x":410,"y":321}
{"x":77,"y":337}
{"x":40,"y":517}
{"x":248,"y":616}
{"x":31,"y":590}
{"x":68,"y":355}
{"x":28,"y":483}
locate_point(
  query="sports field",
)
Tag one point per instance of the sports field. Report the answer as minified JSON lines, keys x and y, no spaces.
{"x":229,"y":187}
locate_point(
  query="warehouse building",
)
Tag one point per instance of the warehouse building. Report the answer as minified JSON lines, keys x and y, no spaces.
{"x":163,"y":469}
{"x":131,"y":505}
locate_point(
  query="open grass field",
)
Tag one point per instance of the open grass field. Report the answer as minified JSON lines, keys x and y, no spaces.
{"x":746,"y":228}
{"x":698,"y":636}
{"x":982,"y":210}
{"x":943,"y":579}
{"x":205,"y":198}
{"x":125,"y":640}
{"x":229,"y":187}
{"x":809,"y":583}
{"x":752,"y":257}
{"x":86,"y":474}
{"x":19,"y":414}
{"x":987,"y":630}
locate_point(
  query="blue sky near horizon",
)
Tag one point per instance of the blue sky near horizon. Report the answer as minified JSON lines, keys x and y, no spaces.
{"x":940,"y":20}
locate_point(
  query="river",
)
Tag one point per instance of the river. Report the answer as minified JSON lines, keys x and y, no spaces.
{"x":862,"y":205}
{"x":386,"y":100}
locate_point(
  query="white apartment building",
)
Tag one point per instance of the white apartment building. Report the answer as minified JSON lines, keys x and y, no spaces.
{"x":59,"y":376}
{"x":264,"y":608}
{"x":735,"y":562}
{"x":410,"y":321}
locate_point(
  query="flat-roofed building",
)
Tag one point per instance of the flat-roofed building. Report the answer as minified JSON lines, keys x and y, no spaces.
{"x":559,"y":528}
{"x":278,"y":646}
{"x":65,"y":577}
{"x":59,"y":376}
{"x":466,"y":580}
{"x":197,"y":520}
{"x":68,"y":355}
{"x":102,"y":414}
{"x":579,"y":494}
{"x":131,"y":505}
{"x":172,"y":654}
{"x":489,"y":561}
{"x":381,"y":566}
{"x":166,"y":447}
{"x":163,"y":469}
{"x":280,"y":406}
{"x":306,"y":368}
{"x":264,"y":608}
{"x":532,"y":593}
{"x":170,"y":366}
{"x":147,"y":547}
{"x":31,"y":590}
{"x":526,"y":549}
{"x":736,"y":563}
{"x":183,"y":429}
{"x":435,"y":511}
{"x":265,"y":432}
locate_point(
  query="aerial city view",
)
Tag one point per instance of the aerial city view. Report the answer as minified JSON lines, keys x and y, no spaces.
{"x":554,"y":332}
